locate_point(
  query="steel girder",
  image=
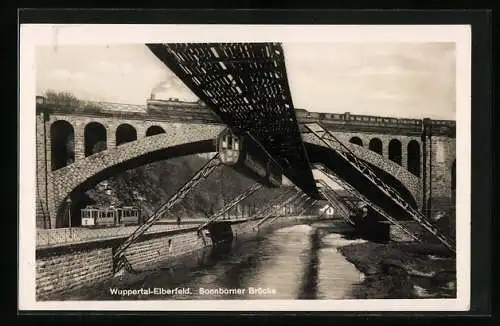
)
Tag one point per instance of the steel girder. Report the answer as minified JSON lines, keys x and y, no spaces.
{"x":246,"y":85}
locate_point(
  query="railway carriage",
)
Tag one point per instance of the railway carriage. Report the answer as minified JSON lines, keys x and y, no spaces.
{"x":244,"y":153}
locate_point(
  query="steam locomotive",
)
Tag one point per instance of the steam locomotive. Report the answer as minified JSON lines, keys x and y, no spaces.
{"x":245,"y":154}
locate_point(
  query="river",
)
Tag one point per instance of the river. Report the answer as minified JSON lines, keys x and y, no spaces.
{"x":295,"y":262}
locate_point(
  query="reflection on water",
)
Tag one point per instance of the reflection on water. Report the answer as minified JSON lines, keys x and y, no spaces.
{"x":297,"y":262}
{"x":271,"y":267}
{"x":336,"y":275}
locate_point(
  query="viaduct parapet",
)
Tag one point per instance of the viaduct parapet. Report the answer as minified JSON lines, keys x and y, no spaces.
{"x":421,"y":153}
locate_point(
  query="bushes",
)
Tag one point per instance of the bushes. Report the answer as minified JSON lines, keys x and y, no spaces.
{"x":155,"y":183}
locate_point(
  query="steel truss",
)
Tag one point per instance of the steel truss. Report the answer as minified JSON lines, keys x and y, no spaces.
{"x":270,"y":204}
{"x":270,"y":209}
{"x":333,"y":199}
{"x":301,"y":200}
{"x":360,"y":196}
{"x":245,"y":194}
{"x":202,"y":174}
{"x":297,"y":196}
{"x":310,"y":202}
{"x":246,"y":86}
{"x":333,"y":143}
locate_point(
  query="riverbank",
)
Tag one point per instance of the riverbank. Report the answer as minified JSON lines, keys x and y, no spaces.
{"x":402,"y":270}
{"x":169,"y":258}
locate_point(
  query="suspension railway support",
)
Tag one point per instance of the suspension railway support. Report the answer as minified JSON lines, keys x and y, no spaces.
{"x":245,"y":194}
{"x":272,"y":213}
{"x":361,"y":197}
{"x":334,"y":144}
{"x":301,"y":200}
{"x":334,"y":200}
{"x":270,"y":204}
{"x":119,"y":260}
{"x":310,"y":202}
{"x":246,"y":86}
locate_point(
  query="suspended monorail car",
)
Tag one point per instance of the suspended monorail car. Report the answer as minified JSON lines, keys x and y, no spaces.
{"x":245,"y":154}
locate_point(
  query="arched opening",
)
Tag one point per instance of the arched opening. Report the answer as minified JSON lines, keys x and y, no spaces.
{"x":95,"y":138}
{"x":414,"y":157}
{"x":62,"y":139}
{"x":175,"y":148}
{"x":154,"y":130}
{"x":356,"y":140}
{"x":125,"y":133}
{"x":79,"y":201}
{"x":345,"y":171}
{"x":375,"y":145}
{"x":395,"y":151}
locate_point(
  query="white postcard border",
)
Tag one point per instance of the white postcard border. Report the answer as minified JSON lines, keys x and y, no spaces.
{"x":32,"y":35}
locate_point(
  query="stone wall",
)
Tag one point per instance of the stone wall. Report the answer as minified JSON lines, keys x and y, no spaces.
{"x":194,"y":120}
{"x":63,"y":268}
{"x":142,"y":255}
{"x":410,"y":181}
{"x":62,"y":271}
{"x":439,"y":175}
{"x":42,"y":214}
{"x":366,"y":137}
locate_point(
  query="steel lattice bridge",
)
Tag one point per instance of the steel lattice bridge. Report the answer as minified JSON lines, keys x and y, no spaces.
{"x":246,"y":85}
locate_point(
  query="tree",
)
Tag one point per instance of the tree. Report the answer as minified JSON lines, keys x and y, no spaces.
{"x":62,"y":98}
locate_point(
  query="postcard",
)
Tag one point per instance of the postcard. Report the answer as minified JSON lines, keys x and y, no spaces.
{"x":244,"y":167}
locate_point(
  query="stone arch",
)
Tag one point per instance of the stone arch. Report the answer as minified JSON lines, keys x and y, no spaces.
{"x":390,"y":170}
{"x":74,"y":180}
{"x":62,"y":140}
{"x":95,"y":138}
{"x":395,"y":152}
{"x":125,"y":133}
{"x":356,"y":140}
{"x":414,"y":157}
{"x":154,"y":130}
{"x":331,"y":159}
{"x":376,"y":145}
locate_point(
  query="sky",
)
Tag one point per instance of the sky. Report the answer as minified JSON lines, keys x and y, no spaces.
{"x":411,"y":80}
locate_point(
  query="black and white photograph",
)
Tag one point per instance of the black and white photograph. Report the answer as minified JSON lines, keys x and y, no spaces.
{"x":171,"y":167}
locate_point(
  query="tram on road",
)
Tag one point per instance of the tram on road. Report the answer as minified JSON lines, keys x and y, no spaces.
{"x":110,"y":216}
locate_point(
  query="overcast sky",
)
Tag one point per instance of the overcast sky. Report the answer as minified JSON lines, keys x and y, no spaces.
{"x":413,"y":80}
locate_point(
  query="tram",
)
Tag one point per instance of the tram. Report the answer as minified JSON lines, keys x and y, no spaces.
{"x":245,"y":154}
{"x":110,"y":216}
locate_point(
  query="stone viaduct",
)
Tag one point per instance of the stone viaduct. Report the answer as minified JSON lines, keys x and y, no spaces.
{"x":77,"y":147}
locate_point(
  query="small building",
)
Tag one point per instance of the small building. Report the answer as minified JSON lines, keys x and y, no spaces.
{"x":327,"y":210}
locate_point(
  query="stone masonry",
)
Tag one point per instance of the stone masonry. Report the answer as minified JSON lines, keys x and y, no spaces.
{"x":189,"y":129}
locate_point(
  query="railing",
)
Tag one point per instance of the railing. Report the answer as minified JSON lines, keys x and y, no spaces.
{"x":47,"y":238}
{"x":297,"y":196}
{"x":60,"y":236}
{"x":66,"y":236}
{"x":253,"y":188}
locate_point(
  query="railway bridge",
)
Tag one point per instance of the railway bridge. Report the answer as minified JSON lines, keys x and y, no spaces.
{"x":77,"y":147}
{"x":400,"y":167}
